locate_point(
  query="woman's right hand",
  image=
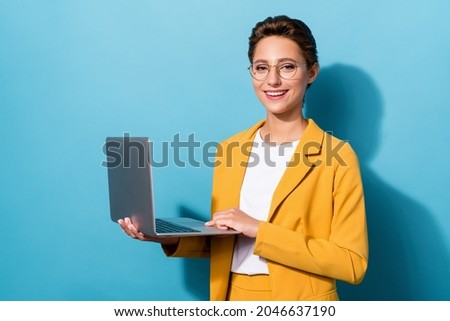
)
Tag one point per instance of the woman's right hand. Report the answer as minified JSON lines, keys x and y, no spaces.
{"x":129,"y":228}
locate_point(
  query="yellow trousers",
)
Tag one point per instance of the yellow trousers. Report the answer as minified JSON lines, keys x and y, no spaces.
{"x":249,"y":288}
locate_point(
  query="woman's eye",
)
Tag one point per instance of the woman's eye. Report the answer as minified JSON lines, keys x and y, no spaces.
{"x":261,"y":68}
{"x":287,"y":67}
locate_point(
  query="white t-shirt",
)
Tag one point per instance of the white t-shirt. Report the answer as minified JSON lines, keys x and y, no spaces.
{"x":267,"y":164}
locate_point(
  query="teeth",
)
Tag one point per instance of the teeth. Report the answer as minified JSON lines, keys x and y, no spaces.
{"x":275,"y":93}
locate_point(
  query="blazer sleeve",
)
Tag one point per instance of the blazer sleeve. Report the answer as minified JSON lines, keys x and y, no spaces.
{"x":344,"y":255}
{"x":192,"y":247}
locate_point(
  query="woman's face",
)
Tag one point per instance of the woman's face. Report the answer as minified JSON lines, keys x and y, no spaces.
{"x":281,"y":96}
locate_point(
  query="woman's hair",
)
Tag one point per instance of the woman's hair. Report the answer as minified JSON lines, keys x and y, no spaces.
{"x":283,"y":26}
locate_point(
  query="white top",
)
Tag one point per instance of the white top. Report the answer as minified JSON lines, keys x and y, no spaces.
{"x":267,"y":164}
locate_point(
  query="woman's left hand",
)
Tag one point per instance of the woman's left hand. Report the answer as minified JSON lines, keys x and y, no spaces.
{"x":237,"y":220}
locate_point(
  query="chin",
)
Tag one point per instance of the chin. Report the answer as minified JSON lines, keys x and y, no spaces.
{"x":280,"y":110}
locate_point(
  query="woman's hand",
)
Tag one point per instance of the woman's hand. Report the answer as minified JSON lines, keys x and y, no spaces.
{"x":129,"y":228}
{"x":236,"y":219}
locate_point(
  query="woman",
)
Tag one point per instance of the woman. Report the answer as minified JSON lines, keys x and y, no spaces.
{"x":292,"y":190}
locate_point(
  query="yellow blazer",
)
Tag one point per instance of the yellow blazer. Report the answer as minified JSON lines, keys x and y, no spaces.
{"x":316,"y":230}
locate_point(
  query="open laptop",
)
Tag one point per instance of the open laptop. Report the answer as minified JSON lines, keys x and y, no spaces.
{"x":131,"y":191}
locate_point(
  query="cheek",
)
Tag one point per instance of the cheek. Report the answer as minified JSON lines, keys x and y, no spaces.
{"x":257,"y":89}
{"x":301,"y":84}
{"x":256,"y":84}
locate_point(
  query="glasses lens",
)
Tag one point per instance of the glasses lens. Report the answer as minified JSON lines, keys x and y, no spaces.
{"x":259,"y":71}
{"x":287,"y":70}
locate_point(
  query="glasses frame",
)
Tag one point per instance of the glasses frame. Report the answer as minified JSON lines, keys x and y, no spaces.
{"x":297,"y":65}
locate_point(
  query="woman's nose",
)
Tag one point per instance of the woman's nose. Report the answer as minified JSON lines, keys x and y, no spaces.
{"x":273,"y":78}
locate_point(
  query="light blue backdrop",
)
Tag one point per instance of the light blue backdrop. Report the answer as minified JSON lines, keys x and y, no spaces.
{"x":74,"y":72}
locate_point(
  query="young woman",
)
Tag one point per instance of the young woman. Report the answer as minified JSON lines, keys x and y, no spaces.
{"x":292,"y":190}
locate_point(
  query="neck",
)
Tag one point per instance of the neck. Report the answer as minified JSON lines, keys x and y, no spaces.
{"x":283,"y":130}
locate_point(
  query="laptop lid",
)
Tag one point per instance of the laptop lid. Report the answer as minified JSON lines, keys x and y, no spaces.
{"x":131,"y":190}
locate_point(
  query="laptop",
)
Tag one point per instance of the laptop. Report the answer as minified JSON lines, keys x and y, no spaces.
{"x":131,"y":191}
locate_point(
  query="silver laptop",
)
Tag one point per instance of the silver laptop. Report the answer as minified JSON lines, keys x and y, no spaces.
{"x":131,"y":191}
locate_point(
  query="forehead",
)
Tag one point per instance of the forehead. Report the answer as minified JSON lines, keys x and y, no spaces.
{"x":275,"y":48}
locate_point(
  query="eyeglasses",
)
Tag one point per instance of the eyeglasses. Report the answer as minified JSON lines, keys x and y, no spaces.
{"x":285,"y":70}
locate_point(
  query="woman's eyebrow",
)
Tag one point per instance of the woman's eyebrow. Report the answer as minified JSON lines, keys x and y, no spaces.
{"x":277,"y":61}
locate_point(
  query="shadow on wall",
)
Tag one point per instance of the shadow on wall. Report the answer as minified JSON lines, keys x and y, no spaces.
{"x":408,"y":257}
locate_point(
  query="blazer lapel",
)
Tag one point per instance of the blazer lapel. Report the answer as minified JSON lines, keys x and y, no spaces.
{"x":310,"y":144}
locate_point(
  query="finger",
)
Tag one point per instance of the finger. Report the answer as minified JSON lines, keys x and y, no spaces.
{"x":130,"y":229}
{"x":124,"y":226}
{"x":224,"y":213}
{"x":122,"y":223}
{"x":228,"y":214}
{"x":133,"y":229}
{"x":141,"y":236}
{"x":225,"y":224}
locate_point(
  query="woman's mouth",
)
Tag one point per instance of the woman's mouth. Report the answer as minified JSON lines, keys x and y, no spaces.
{"x":275,"y":94}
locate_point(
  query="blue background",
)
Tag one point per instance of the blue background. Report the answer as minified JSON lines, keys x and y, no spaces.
{"x":74,"y":72}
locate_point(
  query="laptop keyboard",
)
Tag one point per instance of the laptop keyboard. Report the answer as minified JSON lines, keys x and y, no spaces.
{"x":163,"y":226}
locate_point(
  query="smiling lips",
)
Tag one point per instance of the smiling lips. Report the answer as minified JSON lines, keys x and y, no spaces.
{"x":275,"y":94}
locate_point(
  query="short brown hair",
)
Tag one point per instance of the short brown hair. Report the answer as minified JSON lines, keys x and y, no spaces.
{"x":283,"y":26}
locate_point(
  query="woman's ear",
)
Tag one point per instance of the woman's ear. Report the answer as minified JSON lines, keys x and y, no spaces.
{"x":313,"y":72}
